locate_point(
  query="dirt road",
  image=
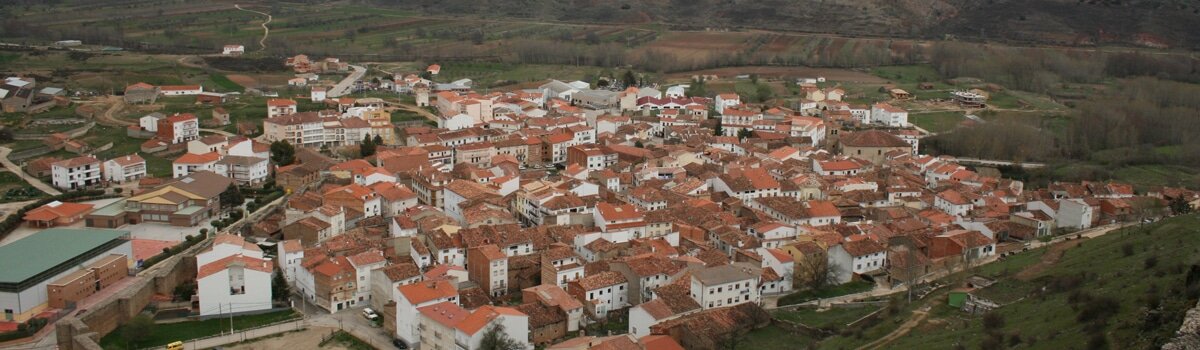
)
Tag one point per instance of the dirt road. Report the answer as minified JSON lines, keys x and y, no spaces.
{"x":262,"y":43}
{"x":8,"y":164}
{"x":914,"y":321}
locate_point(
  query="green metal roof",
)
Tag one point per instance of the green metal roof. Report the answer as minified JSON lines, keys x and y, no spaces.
{"x":189,"y":210}
{"x":113,"y":209}
{"x":43,"y":251}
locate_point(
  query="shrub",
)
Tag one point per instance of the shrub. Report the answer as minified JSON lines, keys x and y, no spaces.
{"x":993,"y":321}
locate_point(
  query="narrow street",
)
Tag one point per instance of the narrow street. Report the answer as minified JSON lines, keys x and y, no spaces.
{"x":350,"y":320}
{"x":343,"y":87}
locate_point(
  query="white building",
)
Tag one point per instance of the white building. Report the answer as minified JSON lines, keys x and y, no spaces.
{"x":783,"y":266}
{"x":318,"y":94}
{"x":280,"y":106}
{"x":886,"y":114}
{"x":418,"y":295}
{"x":290,"y":254}
{"x":1074,"y":213}
{"x":855,"y":258}
{"x":128,"y":168}
{"x":727,"y":100}
{"x":448,"y":326}
{"x":233,"y":276}
{"x":724,"y":285}
{"x":76,"y":173}
{"x":601,"y":292}
{"x":233,"y":50}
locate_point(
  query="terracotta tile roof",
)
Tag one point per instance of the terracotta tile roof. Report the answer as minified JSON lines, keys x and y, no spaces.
{"x":401,"y":271}
{"x":76,"y":162}
{"x":446,"y":313}
{"x":421,"y":292}
{"x":262,"y":265}
{"x":192,"y":158}
{"x":601,"y":280}
{"x":372,"y":256}
{"x":618,"y":212}
{"x":484,"y":316}
{"x":56,"y":209}
{"x":872,"y":138}
{"x":862,"y":247}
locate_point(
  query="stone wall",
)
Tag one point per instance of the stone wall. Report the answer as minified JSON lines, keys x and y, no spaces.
{"x":1188,"y":335}
{"x":84,"y":329}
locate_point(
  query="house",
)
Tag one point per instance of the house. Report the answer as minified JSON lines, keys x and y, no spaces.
{"x":557,"y":297}
{"x":190,"y":163}
{"x":961,"y":244}
{"x":410,"y":297}
{"x":234,"y":279}
{"x":244,"y":170}
{"x":386,"y":280}
{"x":727,"y":100}
{"x":886,"y":114}
{"x":488,"y":267}
{"x":186,"y":201}
{"x":233,"y":50}
{"x":76,"y":173}
{"x":448,"y":326}
{"x":178,"y":128}
{"x":280,"y":106}
{"x":318,"y":94}
{"x":57,"y":214}
{"x":953,"y":202}
{"x":855,"y":257}
{"x":872,"y":145}
{"x":128,"y":168}
{"x":141,"y":93}
{"x":434,"y":69}
{"x":724,"y":285}
{"x":602,"y":292}
{"x":180,"y":90}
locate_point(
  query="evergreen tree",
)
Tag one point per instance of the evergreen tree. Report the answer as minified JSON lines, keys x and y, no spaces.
{"x":367,"y":148}
{"x":279,"y":287}
{"x":718,"y":131}
{"x":497,"y":339}
{"x":282,"y":153}
{"x":232,"y":197}
{"x":629,"y":79}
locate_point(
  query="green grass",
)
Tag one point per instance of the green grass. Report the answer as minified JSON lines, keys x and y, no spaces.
{"x":169,"y":332}
{"x":856,"y":286}
{"x":347,"y":340}
{"x":834,"y":317}
{"x":937,"y":122}
{"x":223,"y":81}
{"x":907,"y":74}
{"x":14,"y":189}
{"x":1145,"y":177}
{"x":772,"y":337}
{"x":1099,"y":267}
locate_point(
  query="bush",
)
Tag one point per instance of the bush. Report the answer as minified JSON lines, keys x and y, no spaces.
{"x":1151,"y":262}
{"x":993,"y":321}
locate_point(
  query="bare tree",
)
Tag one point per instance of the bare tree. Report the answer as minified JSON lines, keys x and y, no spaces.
{"x":813,"y":271}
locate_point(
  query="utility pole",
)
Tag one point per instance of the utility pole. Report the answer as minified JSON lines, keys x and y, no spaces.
{"x":231,"y":318}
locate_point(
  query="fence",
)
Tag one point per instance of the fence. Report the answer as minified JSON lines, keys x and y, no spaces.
{"x":17,"y":156}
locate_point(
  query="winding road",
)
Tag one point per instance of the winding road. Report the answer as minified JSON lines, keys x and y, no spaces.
{"x":266,"y":31}
{"x":12,"y":167}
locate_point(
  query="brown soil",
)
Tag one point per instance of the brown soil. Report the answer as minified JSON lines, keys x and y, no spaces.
{"x":1052,"y":255}
{"x":243,"y":80}
{"x":305,"y":339}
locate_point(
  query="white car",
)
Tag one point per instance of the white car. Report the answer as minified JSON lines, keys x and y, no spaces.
{"x":370,"y":314}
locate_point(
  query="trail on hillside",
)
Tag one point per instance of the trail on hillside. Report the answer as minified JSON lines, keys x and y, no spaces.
{"x":266,"y":31}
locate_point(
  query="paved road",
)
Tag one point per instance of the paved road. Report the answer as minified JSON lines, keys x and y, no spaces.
{"x":349,"y":320}
{"x":262,"y":43}
{"x":8,"y":164}
{"x":239,"y":336}
{"x":343,"y":87}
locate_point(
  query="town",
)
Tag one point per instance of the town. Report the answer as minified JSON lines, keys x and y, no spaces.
{"x":551,"y":214}
{"x":361,"y":205}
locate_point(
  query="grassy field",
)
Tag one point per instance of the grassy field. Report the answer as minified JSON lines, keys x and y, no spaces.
{"x":856,"y":286}
{"x":837,"y":317}
{"x":169,"y":332}
{"x":224,"y":83}
{"x":14,"y":189}
{"x":1047,"y":297}
{"x":937,"y":122}
{"x":1134,"y":267}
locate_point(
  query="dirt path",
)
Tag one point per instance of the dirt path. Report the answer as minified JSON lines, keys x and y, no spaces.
{"x":411,"y":108}
{"x":305,"y":339}
{"x":266,"y":31}
{"x":1049,"y":258}
{"x":115,"y":104}
{"x":33,"y":181}
{"x":913,"y":322}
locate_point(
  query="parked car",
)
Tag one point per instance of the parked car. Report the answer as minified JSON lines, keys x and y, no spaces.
{"x":400,"y":344}
{"x":370,"y":314}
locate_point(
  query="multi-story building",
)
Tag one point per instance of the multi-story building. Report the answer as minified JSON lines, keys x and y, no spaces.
{"x":280,"y":106}
{"x":178,"y":128}
{"x":724,"y":285}
{"x":186,"y":201}
{"x":127,"y":168}
{"x":76,"y":173}
{"x":488,"y":267}
{"x":232,"y":276}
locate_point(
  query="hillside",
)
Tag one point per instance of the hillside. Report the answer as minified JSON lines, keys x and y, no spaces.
{"x":1151,"y":23}
{"x":1128,"y":289}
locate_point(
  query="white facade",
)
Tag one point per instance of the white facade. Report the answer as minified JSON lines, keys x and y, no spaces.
{"x":725,"y":293}
{"x":68,"y":176}
{"x":609,"y":298}
{"x":888,"y":115}
{"x":1074,"y":213}
{"x":235,"y":288}
{"x":115,"y":171}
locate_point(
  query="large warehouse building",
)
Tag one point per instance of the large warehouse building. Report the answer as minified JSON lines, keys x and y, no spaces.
{"x":56,"y":267}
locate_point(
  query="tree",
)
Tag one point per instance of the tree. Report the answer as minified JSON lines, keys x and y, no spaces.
{"x":764,"y":92}
{"x":813,"y":270}
{"x":138,"y":330}
{"x":279,"y":287}
{"x":744,"y":133}
{"x":697,"y":89}
{"x":1180,"y":206}
{"x":718,"y":130}
{"x":592,"y":38}
{"x":378,"y":140}
{"x":367,"y":148}
{"x":232,"y":197}
{"x":282,"y":153}
{"x":427,"y":75}
{"x":639,"y":144}
{"x":497,"y":339}
{"x":629,"y":79}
